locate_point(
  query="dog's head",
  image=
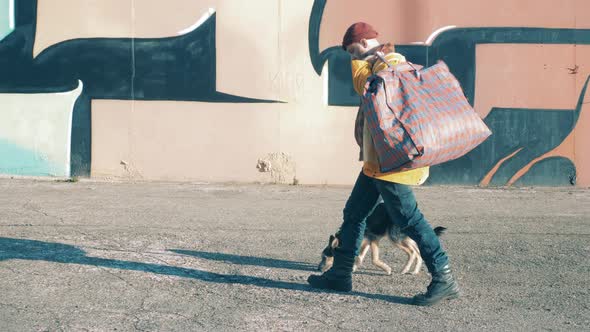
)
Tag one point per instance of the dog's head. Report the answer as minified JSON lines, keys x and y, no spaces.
{"x":387,"y":48}
{"x":328,"y":254}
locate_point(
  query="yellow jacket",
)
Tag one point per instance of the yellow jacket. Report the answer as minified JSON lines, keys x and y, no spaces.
{"x":361,"y":70}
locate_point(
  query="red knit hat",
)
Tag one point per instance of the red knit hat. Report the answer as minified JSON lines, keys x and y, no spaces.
{"x":356,"y":32}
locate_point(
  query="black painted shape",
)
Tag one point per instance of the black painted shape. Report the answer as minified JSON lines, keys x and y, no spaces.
{"x":81,"y":137}
{"x":531,"y":132}
{"x":176,"y":68}
{"x":540,"y":132}
{"x":340,"y":88}
{"x":456,"y":47}
{"x":534,"y":131}
{"x":313,"y":36}
{"x":553,"y":171}
{"x":179,"y":68}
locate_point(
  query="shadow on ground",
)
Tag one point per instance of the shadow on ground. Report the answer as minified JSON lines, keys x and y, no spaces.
{"x":63,"y":253}
{"x":248,"y":260}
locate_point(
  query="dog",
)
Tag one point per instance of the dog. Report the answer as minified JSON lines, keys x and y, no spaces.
{"x":374,"y":54}
{"x":379,"y":225}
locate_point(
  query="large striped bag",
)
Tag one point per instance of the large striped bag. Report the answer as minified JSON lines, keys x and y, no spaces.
{"x":419,"y":117}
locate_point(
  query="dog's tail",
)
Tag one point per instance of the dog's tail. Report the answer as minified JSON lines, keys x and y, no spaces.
{"x":440,"y":230}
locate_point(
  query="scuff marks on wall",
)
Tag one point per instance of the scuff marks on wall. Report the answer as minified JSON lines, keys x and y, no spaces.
{"x":279,"y":166}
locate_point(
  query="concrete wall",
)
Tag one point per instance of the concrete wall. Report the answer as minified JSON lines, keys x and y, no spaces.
{"x":207,"y":90}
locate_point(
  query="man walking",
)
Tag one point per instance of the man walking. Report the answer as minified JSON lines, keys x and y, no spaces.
{"x":360,"y":41}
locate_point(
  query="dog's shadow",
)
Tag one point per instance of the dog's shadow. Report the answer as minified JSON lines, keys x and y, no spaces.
{"x":24,"y":249}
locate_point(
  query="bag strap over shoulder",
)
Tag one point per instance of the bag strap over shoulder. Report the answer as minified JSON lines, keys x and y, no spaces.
{"x":406,"y":66}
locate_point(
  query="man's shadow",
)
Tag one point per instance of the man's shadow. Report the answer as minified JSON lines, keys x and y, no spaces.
{"x":68,"y":254}
{"x":248,"y":260}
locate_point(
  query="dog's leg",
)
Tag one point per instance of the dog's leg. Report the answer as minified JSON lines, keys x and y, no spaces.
{"x":408,"y":250}
{"x":418,"y":267}
{"x":326,"y":264}
{"x":364,"y":249}
{"x":358,"y":261}
{"x":416,"y":254}
{"x":376,"y":261}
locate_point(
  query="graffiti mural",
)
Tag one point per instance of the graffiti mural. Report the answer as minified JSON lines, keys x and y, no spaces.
{"x":520,"y":135}
{"x":203,"y":89}
{"x":179,"y":68}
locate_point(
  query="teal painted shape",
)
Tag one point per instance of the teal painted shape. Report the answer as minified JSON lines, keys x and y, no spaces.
{"x":15,"y":160}
{"x":563,"y":173}
{"x":6,"y":18}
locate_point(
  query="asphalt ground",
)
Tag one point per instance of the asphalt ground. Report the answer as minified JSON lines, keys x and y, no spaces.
{"x":95,"y":256}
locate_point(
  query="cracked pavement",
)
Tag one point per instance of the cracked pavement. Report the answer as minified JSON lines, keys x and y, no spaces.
{"x":96,"y":256}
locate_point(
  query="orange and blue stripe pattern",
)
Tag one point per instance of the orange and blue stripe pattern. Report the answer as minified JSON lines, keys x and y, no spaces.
{"x":419,"y":118}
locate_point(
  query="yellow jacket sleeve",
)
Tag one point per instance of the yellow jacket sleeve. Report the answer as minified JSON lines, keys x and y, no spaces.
{"x":361,"y":71}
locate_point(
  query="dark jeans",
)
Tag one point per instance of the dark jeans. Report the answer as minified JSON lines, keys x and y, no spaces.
{"x":401,"y":205}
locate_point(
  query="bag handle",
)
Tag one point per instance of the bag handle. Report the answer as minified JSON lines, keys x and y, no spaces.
{"x":381,"y":57}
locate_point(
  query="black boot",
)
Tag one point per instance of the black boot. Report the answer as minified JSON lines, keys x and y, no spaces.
{"x":443,"y":286}
{"x":339,"y":277}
